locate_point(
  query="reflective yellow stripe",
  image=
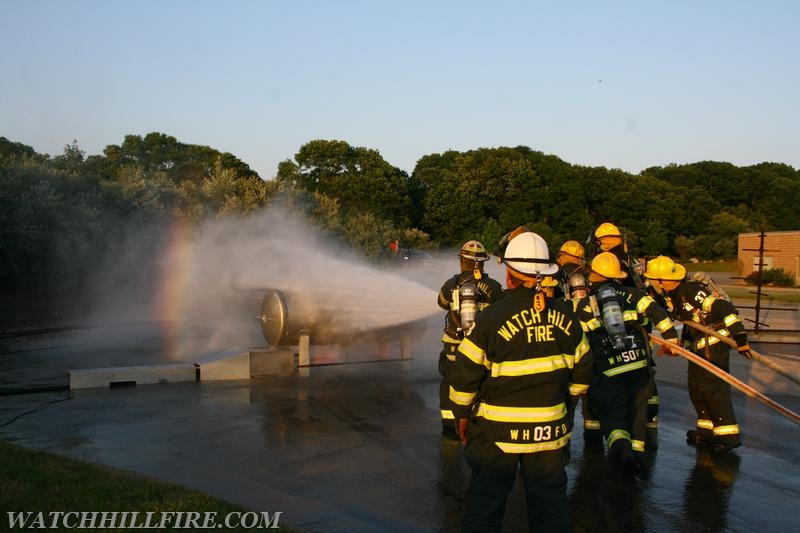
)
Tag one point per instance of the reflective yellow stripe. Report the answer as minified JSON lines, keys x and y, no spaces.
{"x":500,"y":413}
{"x":730,"y":319}
{"x":643,"y":304}
{"x":637,"y":445}
{"x":652,"y":400}
{"x":537,"y":365}
{"x":591,"y":424}
{"x":712,"y":340}
{"x":592,"y":324}
{"x":582,"y":349}
{"x":727,"y":430}
{"x":447,"y":414}
{"x":702,"y":423}
{"x":576,"y":389}
{"x":626,"y":368}
{"x":474,"y":353}
{"x":616,"y":435}
{"x":630,"y":314}
{"x":461,"y":398}
{"x":450,"y":340}
{"x":664,"y":325}
{"x":708,"y":301}
{"x":513,"y":447}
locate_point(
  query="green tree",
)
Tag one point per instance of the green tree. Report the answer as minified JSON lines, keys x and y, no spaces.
{"x":684,"y":247}
{"x":71,"y":160}
{"x":359,"y":178}
{"x":720,"y":241}
{"x":465,"y":191}
{"x":12,"y":150}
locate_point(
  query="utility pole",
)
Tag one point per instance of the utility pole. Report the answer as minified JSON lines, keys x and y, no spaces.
{"x":759,"y":276}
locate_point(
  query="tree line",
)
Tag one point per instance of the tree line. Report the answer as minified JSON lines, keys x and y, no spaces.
{"x":63,"y":218}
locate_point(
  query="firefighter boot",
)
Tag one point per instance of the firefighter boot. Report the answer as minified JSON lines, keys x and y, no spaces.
{"x":622,"y":455}
{"x":693,"y":438}
{"x":592,"y":440}
{"x":449,"y":429}
{"x":651,"y":438}
{"x":721,"y":447}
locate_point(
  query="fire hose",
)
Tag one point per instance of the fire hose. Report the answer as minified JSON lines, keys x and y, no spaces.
{"x":726,"y":377}
{"x":730,"y":342}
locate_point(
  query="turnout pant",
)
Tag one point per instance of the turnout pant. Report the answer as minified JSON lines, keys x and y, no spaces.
{"x":621,"y":405}
{"x":711,"y":398}
{"x":493,"y":475}
{"x":446,"y":359}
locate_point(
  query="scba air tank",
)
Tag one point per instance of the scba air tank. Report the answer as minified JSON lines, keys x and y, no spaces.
{"x":611,"y":313}
{"x":468,"y":297}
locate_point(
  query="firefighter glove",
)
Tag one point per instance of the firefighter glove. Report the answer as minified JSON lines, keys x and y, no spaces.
{"x":745,"y":351}
{"x":461,"y":427}
{"x":665,"y":350}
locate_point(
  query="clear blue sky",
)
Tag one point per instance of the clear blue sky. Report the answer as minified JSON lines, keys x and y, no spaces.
{"x":622,"y":84}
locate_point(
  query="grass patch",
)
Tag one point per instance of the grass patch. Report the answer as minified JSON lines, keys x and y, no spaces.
{"x":34,"y":481}
{"x":745,"y":294}
{"x":713,"y":266}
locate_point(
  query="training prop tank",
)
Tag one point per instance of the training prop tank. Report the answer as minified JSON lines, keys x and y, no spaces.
{"x":286,"y":315}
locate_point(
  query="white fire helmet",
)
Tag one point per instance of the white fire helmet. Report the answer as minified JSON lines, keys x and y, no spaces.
{"x":527,"y":254}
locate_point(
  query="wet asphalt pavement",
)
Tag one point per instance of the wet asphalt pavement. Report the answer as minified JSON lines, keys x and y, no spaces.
{"x":357,"y":447}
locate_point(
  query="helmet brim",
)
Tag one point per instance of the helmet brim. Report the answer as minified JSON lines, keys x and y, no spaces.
{"x":532,"y":269}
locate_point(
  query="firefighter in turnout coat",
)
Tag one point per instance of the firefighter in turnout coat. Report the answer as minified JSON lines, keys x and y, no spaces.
{"x":463,"y":296}
{"x":711,"y":396}
{"x":613,"y":315}
{"x":514,"y":383}
{"x":573,"y":273}
{"x":609,"y":238}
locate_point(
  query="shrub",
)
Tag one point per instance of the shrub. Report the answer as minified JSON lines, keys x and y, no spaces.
{"x":772,"y":276}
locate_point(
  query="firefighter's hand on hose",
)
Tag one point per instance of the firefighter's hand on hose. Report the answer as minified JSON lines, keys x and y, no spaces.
{"x":745,"y":351}
{"x":665,"y":350}
{"x":461,"y":427}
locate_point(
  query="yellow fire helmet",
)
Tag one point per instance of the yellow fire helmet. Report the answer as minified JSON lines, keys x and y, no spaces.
{"x":549,"y":281}
{"x":664,"y":268}
{"x":573,"y":248}
{"x":607,"y":229}
{"x":607,"y":265}
{"x":473,"y":250}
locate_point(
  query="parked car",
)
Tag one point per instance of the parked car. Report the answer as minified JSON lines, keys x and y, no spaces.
{"x":416,"y":257}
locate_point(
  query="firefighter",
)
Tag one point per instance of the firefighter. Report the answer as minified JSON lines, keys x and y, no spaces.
{"x":513,"y":386}
{"x":463,"y":296}
{"x":609,"y":238}
{"x":573,"y":271}
{"x":571,"y":259}
{"x":613,"y":316}
{"x":500,"y":249}
{"x":711,"y":396}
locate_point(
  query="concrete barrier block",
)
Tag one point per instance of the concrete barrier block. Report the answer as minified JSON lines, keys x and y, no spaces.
{"x":130,"y":375}
{"x":230,"y":364}
{"x":271,"y":361}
